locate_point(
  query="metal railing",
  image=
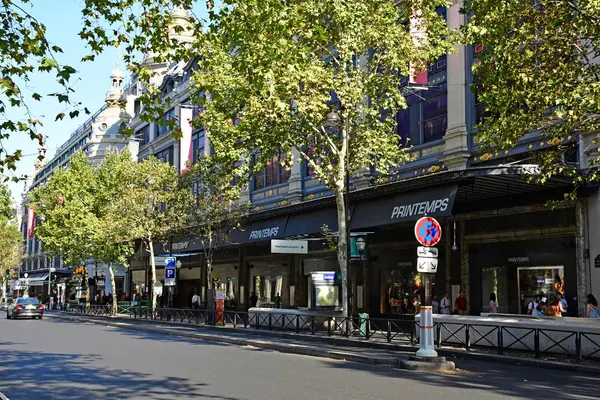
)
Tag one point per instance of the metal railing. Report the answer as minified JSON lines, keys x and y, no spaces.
{"x":574,"y":345}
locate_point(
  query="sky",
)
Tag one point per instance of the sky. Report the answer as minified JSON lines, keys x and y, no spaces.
{"x":63,"y":22}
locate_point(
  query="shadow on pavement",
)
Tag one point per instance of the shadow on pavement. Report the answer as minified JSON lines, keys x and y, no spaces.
{"x":45,"y":375}
{"x":509,"y":380}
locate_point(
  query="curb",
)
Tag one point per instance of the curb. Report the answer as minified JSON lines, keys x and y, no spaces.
{"x":291,"y":348}
{"x":449,"y":353}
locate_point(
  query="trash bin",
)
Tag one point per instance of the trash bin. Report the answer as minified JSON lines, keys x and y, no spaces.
{"x":362,"y":323}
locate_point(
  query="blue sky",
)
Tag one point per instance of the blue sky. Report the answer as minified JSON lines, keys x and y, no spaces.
{"x":63,"y":21}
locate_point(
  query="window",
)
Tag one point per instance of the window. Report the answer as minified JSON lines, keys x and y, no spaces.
{"x":272,"y":174}
{"x":143,"y":135}
{"x":161,"y":125}
{"x":137,"y":107}
{"x":425,"y":119}
{"x":165,"y":155}
{"x":198,"y":142}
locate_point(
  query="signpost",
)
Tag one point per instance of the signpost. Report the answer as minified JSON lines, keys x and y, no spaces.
{"x":428,"y":233}
{"x":289,"y":246}
{"x":170,"y":271}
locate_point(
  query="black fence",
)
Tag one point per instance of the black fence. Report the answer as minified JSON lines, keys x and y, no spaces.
{"x":535,"y":342}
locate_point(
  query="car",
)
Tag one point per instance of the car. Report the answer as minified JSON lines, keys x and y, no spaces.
{"x":25,"y":307}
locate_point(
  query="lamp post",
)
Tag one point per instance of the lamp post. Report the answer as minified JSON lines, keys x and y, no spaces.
{"x":333,"y":120}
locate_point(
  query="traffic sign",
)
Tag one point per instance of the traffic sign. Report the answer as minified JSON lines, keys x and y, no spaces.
{"x":428,"y":231}
{"x":427,"y":252}
{"x":427,"y":265}
{"x":170,"y":271}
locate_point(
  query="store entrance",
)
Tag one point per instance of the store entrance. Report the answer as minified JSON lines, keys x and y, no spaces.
{"x":545,"y":281}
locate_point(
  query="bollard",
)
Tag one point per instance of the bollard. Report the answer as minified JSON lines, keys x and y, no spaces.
{"x":426,"y":348}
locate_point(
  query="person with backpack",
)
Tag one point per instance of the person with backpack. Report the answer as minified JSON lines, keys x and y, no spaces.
{"x":445,"y":305}
{"x":592,"y":307}
{"x":533,"y":304}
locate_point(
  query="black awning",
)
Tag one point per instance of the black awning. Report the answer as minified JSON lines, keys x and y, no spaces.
{"x":312,"y":222}
{"x":407,"y":206}
{"x":258,"y":231}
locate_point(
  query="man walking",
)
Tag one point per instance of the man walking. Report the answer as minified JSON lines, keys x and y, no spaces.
{"x":460,"y":304}
{"x":195,"y":301}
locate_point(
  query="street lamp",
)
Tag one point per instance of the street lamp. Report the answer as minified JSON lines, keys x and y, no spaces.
{"x":361,"y":244}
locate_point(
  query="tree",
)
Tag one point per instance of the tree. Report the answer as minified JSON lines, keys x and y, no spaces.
{"x":67,"y":210}
{"x":213,"y":208}
{"x":321,"y":78}
{"x":11,"y":251}
{"x":538,"y":72}
{"x":24,"y":51}
{"x":6,"y":204}
{"x":148,"y":205}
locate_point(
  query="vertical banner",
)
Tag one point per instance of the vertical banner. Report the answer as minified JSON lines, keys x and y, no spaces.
{"x":185,"y":143}
{"x":220,"y":307}
{"x":30,"y":222}
{"x":418,"y":32}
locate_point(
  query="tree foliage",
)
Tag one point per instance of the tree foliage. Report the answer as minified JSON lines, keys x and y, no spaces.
{"x":539,"y":72}
{"x":213,"y":207}
{"x":147,"y":205}
{"x":25,"y":51}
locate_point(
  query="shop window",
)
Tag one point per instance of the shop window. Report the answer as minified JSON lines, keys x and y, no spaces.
{"x":545,"y":281}
{"x":425,"y":118}
{"x":198,"y":143}
{"x":267,"y":288}
{"x":162,"y":126}
{"x":143,"y":135}
{"x":227,"y":286}
{"x":272,"y":174}
{"x":165,"y":155}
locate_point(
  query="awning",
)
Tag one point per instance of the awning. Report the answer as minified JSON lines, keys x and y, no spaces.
{"x":258,"y":231}
{"x":408,"y":206}
{"x":43,"y":276}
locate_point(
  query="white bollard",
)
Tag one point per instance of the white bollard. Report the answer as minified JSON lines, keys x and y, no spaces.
{"x":426,"y":348}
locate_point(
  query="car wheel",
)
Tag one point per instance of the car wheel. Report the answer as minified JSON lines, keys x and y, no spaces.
{"x":40,"y":317}
{"x":7,"y":316}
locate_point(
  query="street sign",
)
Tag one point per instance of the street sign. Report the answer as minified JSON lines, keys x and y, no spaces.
{"x":428,"y":231}
{"x":170,"y":271}
{"x":289,"y":246}
{"x":427,"y":252}
{"x":427,"y":265}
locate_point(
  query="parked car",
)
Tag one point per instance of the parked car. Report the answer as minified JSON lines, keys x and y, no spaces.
{"x":25,"y":307}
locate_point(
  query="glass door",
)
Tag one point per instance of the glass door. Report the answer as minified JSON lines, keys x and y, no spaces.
{"x":494,"y":280}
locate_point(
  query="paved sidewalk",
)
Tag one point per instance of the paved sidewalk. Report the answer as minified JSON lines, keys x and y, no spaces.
{"x":341,"y":348}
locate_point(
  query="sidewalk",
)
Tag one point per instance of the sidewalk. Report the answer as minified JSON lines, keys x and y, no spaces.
{"x":340,"y":348}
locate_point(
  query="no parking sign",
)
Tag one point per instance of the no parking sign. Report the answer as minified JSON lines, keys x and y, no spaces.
{"x":428,"y":231}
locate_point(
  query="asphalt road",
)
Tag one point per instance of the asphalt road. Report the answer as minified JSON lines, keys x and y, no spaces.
{"x":54,"y":359}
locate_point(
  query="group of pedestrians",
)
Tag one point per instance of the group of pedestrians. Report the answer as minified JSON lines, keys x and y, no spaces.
{"x":445,"y":306}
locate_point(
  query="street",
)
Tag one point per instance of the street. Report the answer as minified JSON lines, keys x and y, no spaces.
{"x":55,"y":359}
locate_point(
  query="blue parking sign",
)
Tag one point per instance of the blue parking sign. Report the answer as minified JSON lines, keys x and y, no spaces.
{"x":169,"y":273}
{"x":170,"y":262}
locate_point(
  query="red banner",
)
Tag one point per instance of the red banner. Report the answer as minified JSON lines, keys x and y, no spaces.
{"x":30,"y":222}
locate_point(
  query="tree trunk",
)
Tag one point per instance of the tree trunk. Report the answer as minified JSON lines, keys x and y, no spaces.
{"x":342,"y":249}
{"x":114,"y":293}
{"x":86,"y":286}
{"x":152,"y":276}
{"x":210,"y":297}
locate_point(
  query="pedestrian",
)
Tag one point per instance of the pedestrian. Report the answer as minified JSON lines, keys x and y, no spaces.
{"x":533,"y":304}
{"x":51,"y":301}
{"x":277,"y":300}
{"x":492,"y":303}
{"x":592,"y":307}
{"x":555,"y":309}
{"x":55,"y":301}
{"x":460,"y":304}
{"x":445,"y":304}
{"x":563,"y":303}
{"x":540,"y":310}
{"x":195,"y":301}
{"x":435,"y":304}
{"x":253,"y":300}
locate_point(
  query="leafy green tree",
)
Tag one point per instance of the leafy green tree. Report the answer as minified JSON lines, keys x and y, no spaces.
{"x":11,"y":251}
{"x":25,"y":51}
{"x":213,"y":207}
{"x":67,"y":210}
{"x":148,"y":205}
{"x":6,"y":204}
{"x":538,"y":72}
